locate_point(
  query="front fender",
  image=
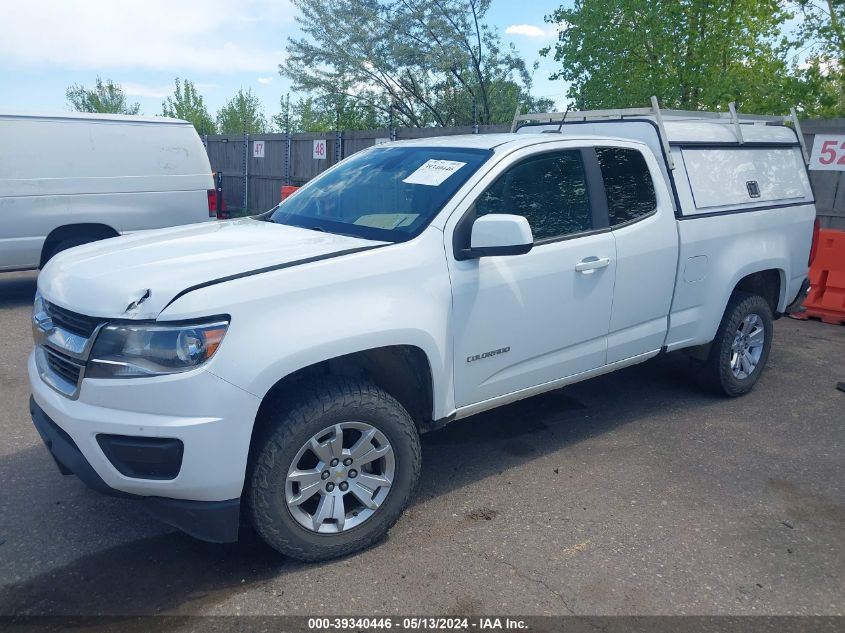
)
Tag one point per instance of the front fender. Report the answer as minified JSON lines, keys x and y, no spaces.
{"x":285,"y":320}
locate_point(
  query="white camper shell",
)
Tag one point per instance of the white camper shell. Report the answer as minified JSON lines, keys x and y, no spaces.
{"x":67,"y":179}
{"x":713,"y":162}
{"x":746,"y":172}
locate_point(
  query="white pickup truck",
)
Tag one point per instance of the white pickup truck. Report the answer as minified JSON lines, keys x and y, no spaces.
{"x":281,"y":368}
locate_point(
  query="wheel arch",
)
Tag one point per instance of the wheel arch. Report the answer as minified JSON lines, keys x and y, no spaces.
{"x":68,"y":231}
{"x":403,"y":371}
{"x":769,"y":283}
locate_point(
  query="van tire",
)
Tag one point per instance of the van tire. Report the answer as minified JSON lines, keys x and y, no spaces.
{"x":716,"y":372}
{"x":291,"y":426}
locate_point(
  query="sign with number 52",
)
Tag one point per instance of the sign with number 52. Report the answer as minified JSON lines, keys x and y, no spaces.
{"x":828,"y":153}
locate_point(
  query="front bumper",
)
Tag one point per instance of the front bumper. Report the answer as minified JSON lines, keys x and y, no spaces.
{"x":215,"y":521}
{"x":210,"y":417}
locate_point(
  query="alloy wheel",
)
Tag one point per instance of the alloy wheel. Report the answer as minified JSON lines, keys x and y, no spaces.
{"x":340,"y":477}
{"x":747,"y":346}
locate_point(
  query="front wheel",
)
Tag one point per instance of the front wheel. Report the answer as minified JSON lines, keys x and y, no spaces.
{"x":334,"y":472}
{"x":741,"y":347}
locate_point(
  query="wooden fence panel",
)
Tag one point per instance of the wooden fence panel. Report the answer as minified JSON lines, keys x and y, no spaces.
{"x":226,"y":154}
{"x":265,"y":176}
{"x":828,"y":186}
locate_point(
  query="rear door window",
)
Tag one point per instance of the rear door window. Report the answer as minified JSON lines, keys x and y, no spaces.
{"x":628,"y":184}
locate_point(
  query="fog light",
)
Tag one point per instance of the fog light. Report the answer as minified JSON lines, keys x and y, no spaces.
{"x":143,"y":457}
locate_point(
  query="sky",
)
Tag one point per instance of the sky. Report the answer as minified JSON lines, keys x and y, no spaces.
{"x":220,"y":45}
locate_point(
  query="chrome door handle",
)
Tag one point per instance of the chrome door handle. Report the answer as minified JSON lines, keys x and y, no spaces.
{"x":590,"y":264}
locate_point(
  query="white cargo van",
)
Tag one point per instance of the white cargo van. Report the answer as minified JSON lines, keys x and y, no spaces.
{"x":72,"y":178}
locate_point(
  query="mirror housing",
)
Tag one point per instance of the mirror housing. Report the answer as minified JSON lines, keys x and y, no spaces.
{"x":497,"y":235}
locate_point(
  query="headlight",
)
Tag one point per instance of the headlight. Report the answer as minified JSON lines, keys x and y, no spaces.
{"x":38,"y":306}
{"x":133,"y":351}
{"x":41,"y":321}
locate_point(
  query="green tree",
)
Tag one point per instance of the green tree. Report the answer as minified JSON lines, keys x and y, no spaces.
{"x":242,"y":113}
{"x":107,"y":96}
{"x":426,"y":61}
{"x":320,"y":114}
{"x":821,"y":35}
{"x":187,"y":104}
{"x":282,"y":121}
{"x":690,"y":53}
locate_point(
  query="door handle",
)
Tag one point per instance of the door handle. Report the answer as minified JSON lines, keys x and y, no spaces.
{"x":591,"y":264}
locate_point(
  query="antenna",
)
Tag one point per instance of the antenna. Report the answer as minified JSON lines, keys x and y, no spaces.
{"x":560,"y":127}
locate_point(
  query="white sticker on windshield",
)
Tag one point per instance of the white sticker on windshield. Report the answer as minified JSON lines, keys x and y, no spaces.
{"x":433,"y":172}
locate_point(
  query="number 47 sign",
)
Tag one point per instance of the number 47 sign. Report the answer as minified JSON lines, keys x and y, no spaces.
{"x":828,"y":152}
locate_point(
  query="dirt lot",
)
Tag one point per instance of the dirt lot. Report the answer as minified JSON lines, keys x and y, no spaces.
{"x":634,"y":493}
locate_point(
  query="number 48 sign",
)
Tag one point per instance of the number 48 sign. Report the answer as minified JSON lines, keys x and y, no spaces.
{"x":828,"y":153}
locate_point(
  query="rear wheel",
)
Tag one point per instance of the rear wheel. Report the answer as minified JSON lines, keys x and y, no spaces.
{"x":334,"y":472}
{"x":741,"y":348}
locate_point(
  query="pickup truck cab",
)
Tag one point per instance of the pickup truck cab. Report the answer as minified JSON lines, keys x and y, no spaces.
{"x":282,"y":367}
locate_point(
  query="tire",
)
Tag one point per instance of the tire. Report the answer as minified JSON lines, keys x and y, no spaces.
{"x":317,"y":411}
{"x":721,"y":372}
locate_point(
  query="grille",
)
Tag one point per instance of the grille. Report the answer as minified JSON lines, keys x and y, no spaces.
{"x":63,"y":366}
{"x":78,"y":324}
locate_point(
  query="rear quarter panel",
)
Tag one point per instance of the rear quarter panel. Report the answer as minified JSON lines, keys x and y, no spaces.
{"x":717,"y":251}
{"x":725,"y":234}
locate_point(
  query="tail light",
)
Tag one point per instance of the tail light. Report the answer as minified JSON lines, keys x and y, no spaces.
{"x":212,"y":203}
{"x":815,"y":244}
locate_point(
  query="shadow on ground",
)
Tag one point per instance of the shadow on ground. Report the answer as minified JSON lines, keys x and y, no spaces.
{"x":17,"y":289}
{"x":173,"y":572}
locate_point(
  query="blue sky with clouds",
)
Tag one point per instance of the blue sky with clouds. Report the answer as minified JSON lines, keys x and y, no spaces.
{"x":220,"y":45}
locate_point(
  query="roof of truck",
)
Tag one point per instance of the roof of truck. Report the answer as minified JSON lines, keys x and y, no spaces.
{"x":680,"y":131}
{"x":677,"y":132}
{"x":91,"y":116}
{"x":493,"y":141}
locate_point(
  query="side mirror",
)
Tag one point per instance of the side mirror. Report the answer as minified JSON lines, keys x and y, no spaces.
{"x":499,"y":234}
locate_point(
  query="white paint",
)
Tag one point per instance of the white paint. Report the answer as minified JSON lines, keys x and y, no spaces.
{"x":320,"y":149}
{"x":828,"y":153}
{"x":127,"y":173}
{"x":720,"y":177}
{"x":500,"y":229}
{"x":258,"y":149}
{"x":548,"y":322}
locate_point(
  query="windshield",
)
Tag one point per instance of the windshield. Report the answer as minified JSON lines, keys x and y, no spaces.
{"x":388,"y":194}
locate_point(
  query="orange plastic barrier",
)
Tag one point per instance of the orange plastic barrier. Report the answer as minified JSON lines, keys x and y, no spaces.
{"x":826,"y":300}
{"x":287,"y":190}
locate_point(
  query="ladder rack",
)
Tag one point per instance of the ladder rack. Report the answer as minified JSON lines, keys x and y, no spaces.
{"x":731,"y":117}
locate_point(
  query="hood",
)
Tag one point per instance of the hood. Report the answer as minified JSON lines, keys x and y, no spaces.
{"x":136,"y":276}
